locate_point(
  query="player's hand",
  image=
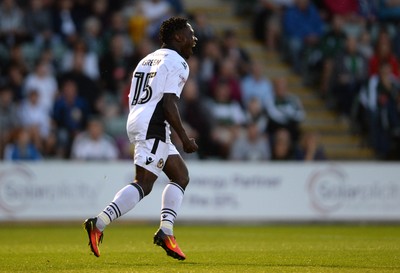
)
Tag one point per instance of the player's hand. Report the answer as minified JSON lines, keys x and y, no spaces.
{"x":190,"y":146}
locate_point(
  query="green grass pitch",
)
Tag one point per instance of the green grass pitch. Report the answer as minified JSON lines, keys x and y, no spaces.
{"x":212,"y":249}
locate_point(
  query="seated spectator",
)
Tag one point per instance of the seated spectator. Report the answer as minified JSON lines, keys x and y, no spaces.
{"x":11,"y":22}
{"x":302,"y":29}
{"x":380,"y":100}
{"x":203,"y":30}
{"x":267,"y":21}
{"x":227,"y":73}
{"x":21,"y":148}
{"x":38,"y":23}
{"x":285,"y":110}
{"x":70,"y":115}
{"x":232,"y":50}
{"x":92,"y":35}
{"x":43,"y":81}
{"x":115,"y":65}
{"x":332,"y":43}
{"x":66,"y":21}
{"x":228,"y":116}
{"x":211,"y":57}
{"x":94,"y":144}
{"x":16,"y":82}
{"x":88,"y":88}
{"x":90,"y":60}
{"x":309,"y":148}
{"x":34,"y":118}
{"x":155,"y":11}
{"x":348,"y":76}
{"x":281,"y":145}
{"x":256,"y":113}
{"x":9,"y":120}
{"x":256,"y":85}
{"x":383,"y":54}
{"x":197,"y":116}
{"x":252,"y":145}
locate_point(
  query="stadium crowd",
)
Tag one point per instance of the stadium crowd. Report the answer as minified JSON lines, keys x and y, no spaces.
{"x":349,"y":51}
{"x":65,"y":72}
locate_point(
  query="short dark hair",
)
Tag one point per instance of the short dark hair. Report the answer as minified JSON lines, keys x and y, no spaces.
{"x":169,"y":27}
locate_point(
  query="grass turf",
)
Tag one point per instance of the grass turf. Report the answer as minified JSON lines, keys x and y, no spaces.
{"x":211,"y":249}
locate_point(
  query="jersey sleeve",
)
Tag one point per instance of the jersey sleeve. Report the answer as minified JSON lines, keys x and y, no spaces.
{"x":176,"y":78}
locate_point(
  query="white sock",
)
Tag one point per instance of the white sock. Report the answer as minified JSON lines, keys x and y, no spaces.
{"x":124,"y":201}
{"x":171,"y":201}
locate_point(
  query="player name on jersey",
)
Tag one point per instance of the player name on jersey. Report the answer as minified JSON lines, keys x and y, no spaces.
{"x":151,"y":62}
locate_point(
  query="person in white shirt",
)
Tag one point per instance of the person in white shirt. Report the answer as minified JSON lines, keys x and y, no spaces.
{"x":94,"y":144}
{"x":157,"y":84}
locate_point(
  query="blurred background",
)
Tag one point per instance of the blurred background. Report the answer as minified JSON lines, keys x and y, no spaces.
{"x":271,"y":80}
{"x":273,"y":83}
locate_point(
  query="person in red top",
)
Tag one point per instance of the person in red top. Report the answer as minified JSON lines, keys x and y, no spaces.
{"x":342,"y":7}
{"x":383,"y":54}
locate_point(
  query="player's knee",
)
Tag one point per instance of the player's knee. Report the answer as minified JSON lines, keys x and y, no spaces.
{"x":147,"y":189}
{"x":183,"y":181}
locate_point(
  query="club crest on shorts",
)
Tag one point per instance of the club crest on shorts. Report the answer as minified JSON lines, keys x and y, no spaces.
{"x":160,"y":163}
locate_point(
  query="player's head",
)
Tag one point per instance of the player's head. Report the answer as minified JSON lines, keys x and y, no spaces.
{"x":178,"y":34}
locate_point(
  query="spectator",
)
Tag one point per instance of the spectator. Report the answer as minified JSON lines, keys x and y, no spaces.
{"x":267,"y":21}
{"x":115,"y":66}
{"x":196,"y":114}
{"x":70,"y":115}
{"x":43,"y":81}
{"x":302,"y":28}
{"x":227,"y":73}
{"x":9,"y":120}
{"x":349,"y":75}
{"x":119,"y":26}
{"x":380,"y":102}
{"x":94,"y":144}
{"x":90,"y":59}
{"x":155,"y":11}
{"x":38,"y":22}
{"x":383,"y":54}
{"x":66,"y":22}
{"x":256,"y":113}
{"x":92,"y":35}
{"x":88,"y":88}
{"x":16,"y":82}
{"x":332,"y":43}
{"x":211,"y":57}
{"x":285,"y":111}
{"x":256,"y":85}
{"x":204,"y":31}
{"x":228,"y":116}
{"x":251,"y":145}
{"x":34,"y":118}
{"x":22,"y":148}
{"x":233,"y":51}
{"x":309,"y":148}
{"x":12,"y":28}
{"x":281,"y":143}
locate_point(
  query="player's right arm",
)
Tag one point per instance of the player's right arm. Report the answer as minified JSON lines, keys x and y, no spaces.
{"x":173,"y":117}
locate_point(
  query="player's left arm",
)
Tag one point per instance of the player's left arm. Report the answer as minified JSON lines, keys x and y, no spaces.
{"x":173,"y":117}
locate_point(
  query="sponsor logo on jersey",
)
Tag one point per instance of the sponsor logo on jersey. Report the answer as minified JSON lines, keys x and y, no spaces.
{"x":160,"y":163}
{"x":149,"y":160}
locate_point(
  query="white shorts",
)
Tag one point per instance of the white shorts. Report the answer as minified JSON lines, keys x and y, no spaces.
{"x":152,"y":154}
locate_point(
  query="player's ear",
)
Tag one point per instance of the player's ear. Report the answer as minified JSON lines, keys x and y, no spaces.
{"x":179,"y":37}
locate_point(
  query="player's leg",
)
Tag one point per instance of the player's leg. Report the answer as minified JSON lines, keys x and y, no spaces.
{"x":127,"y":198}
{"x":172,"y":196}
{"x":146,"y":157}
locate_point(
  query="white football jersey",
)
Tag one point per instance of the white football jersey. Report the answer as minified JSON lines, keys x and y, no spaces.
{"x":163,"y":71}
